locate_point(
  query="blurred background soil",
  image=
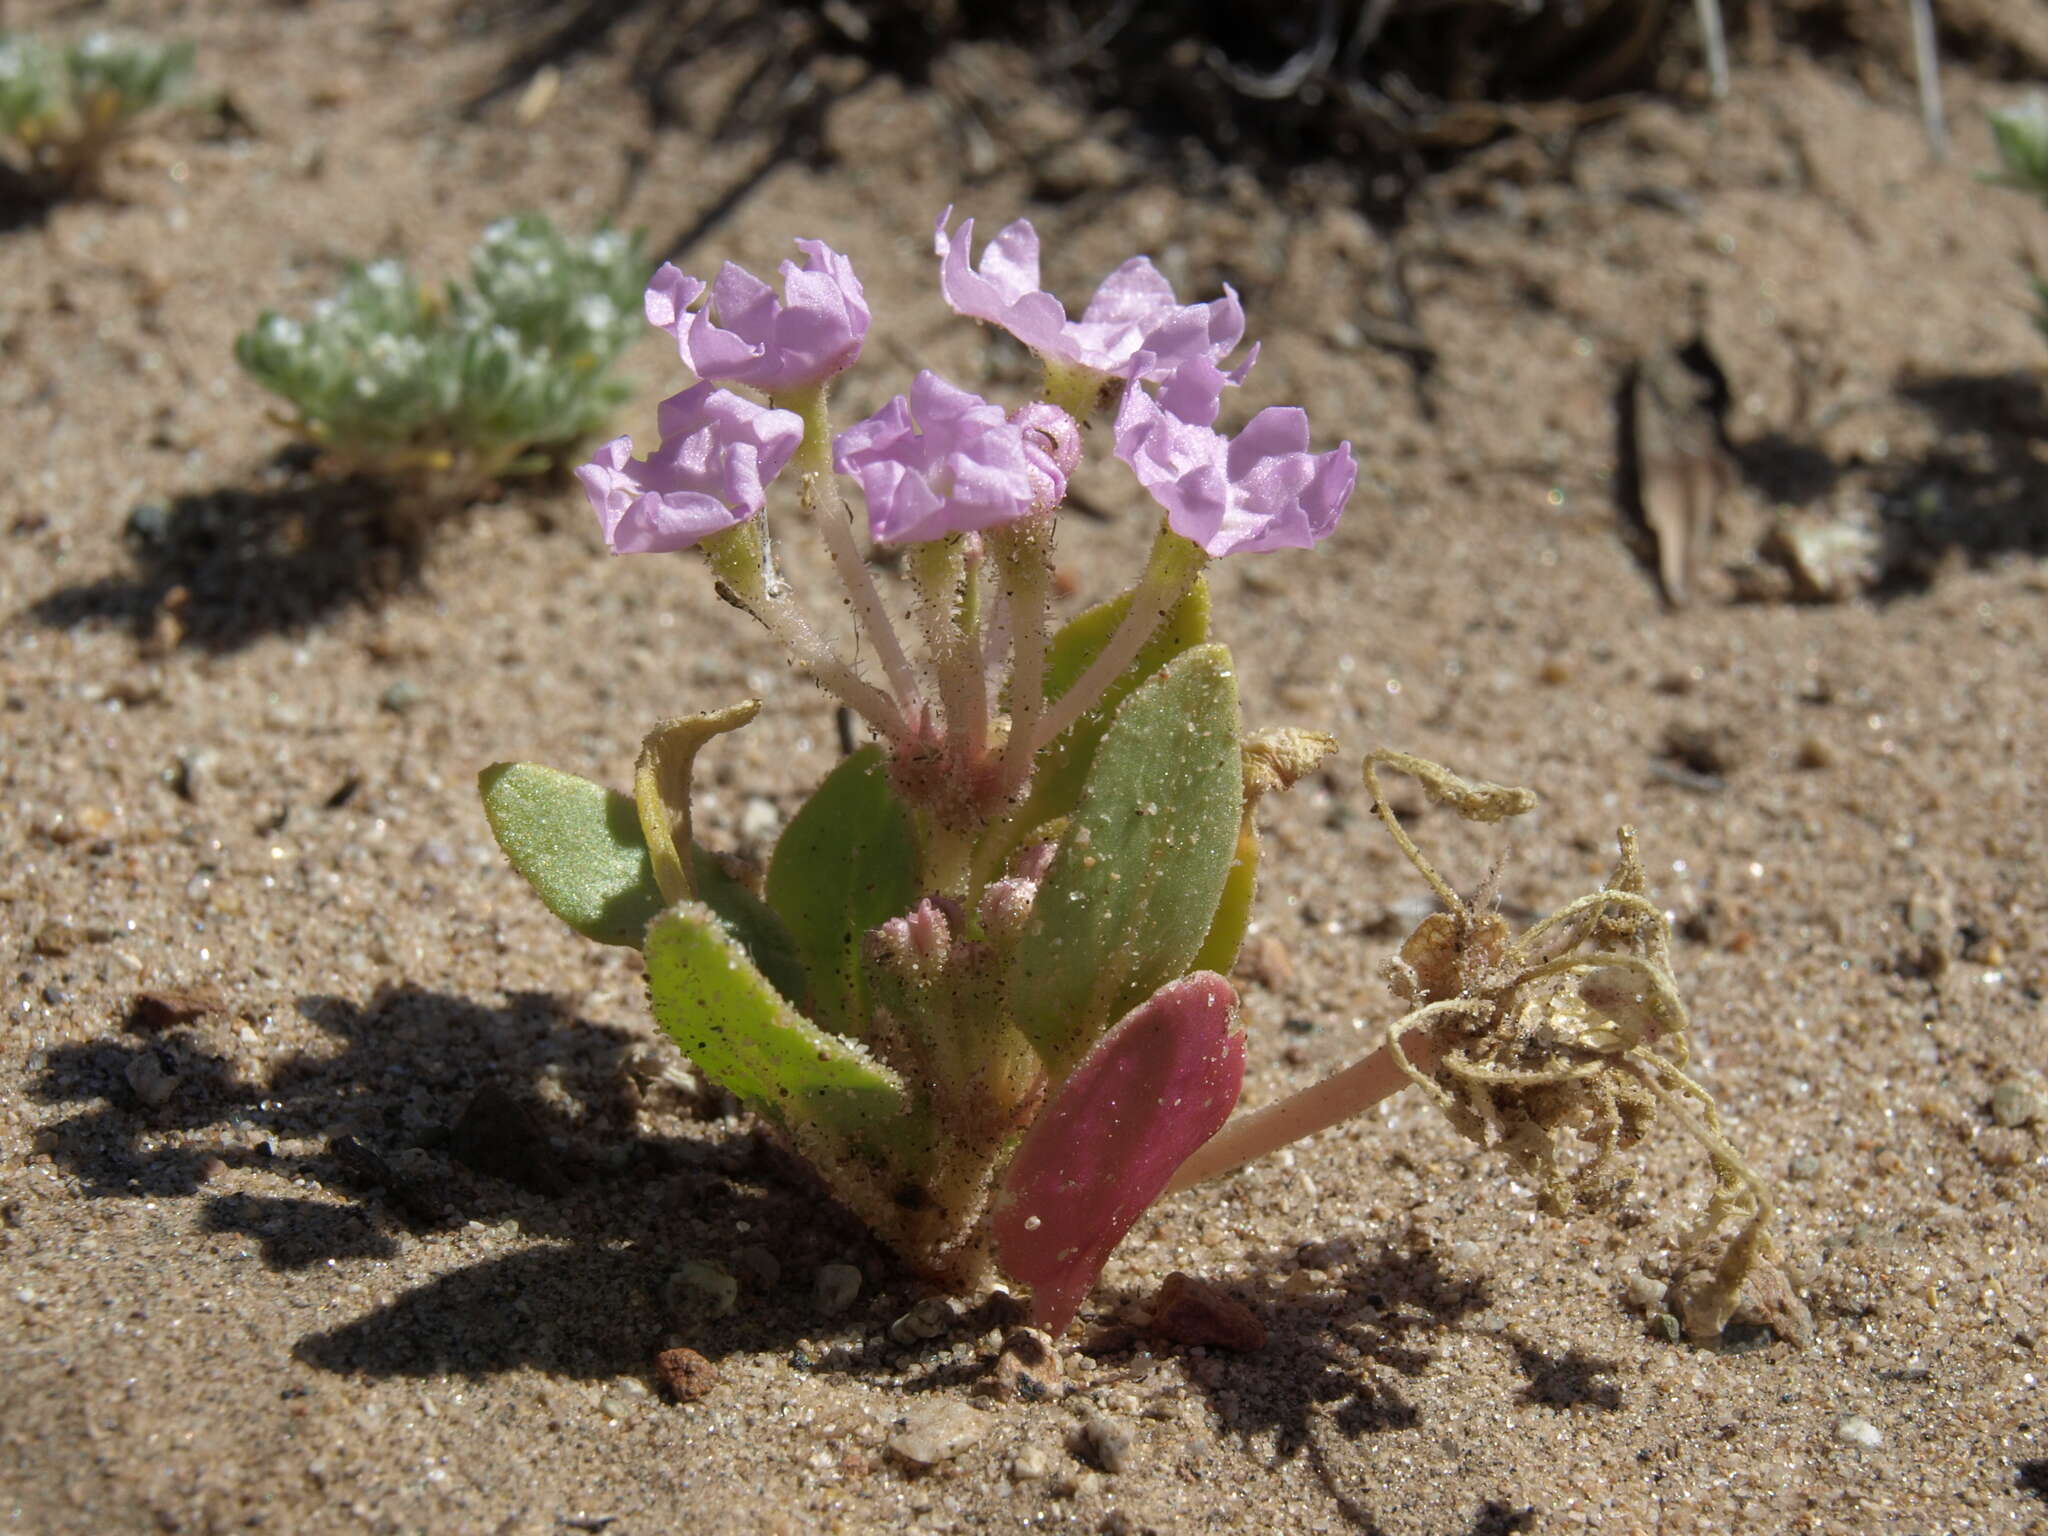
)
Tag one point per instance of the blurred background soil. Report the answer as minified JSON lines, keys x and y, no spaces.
{"x":1702,"y":489}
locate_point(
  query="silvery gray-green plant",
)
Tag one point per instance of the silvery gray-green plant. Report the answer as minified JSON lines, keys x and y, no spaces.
{"x":452,"y":389}
{"x":63,"y":108}
{"x":2021,"y":135}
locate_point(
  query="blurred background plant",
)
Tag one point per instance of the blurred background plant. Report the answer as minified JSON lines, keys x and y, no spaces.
{"x":64,"y":108}
{"x":2021,"y":135}
{"x":446,"y":393}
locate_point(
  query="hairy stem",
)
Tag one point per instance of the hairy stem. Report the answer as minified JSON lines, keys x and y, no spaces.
{"x":937,"y":571}
{"x":739,"y":559}
{"x":821,"y":495}
{"x":1173,"y":568}
{"x":1023,"y":554}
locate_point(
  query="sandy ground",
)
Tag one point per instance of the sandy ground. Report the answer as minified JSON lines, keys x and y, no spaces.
{"x":263,"y":791}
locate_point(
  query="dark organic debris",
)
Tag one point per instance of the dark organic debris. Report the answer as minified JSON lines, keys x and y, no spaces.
{"x":411,"y":1195}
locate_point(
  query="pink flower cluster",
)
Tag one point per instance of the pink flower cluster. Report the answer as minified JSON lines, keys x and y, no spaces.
{"x":943,"y":460}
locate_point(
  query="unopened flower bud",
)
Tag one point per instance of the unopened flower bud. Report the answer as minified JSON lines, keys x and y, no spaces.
{"x":930,"y":928}
{"x":1052,"y":447}
{"x":1006,"y":907}
{"x":1033,"y":860}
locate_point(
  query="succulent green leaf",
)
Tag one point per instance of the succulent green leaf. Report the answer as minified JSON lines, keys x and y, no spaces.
{"x":578,"y":844}
{"x":846,"y":862}
{"x":1141,"y":868}
{"x":833,"y":1098}
{"x":752,"y":922}
{"x":1234,"y":911}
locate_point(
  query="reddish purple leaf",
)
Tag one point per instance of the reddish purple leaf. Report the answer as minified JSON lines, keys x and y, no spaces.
{"x":1153,"y":1089}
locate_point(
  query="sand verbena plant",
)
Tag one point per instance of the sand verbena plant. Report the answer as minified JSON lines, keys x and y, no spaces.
{"x":979,"y":986}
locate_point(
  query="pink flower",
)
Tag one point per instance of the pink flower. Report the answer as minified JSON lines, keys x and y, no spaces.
{"x":743,"y":334}
{"x":1260,"y":490}
{"x":1052,"y":447}
{"x":943,"y":461}
{"x":718,"y":452}
{"x":1134,"y":324}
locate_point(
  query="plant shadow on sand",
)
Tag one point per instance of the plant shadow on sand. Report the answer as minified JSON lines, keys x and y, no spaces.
{"x":1984,"y":492}
{"x":435,"y":1111}
{"x":1335,"y":1359}
{"x":220,"y":569}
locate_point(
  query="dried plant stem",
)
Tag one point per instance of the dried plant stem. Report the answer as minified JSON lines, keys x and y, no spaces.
{"x":1715,"y":36}
{"x":1175,"y":565}
{"x":1350,"y":1092}
{"x":1927,"y":67}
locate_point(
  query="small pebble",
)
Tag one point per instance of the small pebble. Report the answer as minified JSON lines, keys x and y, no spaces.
{"x":1854,"y":1429}
{"x":1802,"y":1167}
{"x":149,"y":522}
{"x":1029,"y":1464}
{"x":2014,"y":1104}
{"x":837,"y":1286}
{"x":1078,"y":1485}
{"x":1814,"y":753}
{"x":1028,"y":1369}
{"x":759,"y":819}
{"x":1191,"y":1311}
{"x":400,"y":696}
{"x":1108,"y":1443}
{"x":56,"y":938}
{"x":152,"y":1083}
{"x":684,"y":1374}
{"x":931,"y":1318}
{"x":937,"y":1433}
{"x":703,"y":1289}
{"x":1647,"y":1292}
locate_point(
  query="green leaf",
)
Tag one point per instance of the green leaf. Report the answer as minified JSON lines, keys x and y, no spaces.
{"x":846,"y":862}
{"x":578,"y":844}
{"x":834,"y":1099}
{"x":752,"y":921}
{"x":1063,"y":766}
{"x":1234,"y":911}
{"x":1135,"y":884}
